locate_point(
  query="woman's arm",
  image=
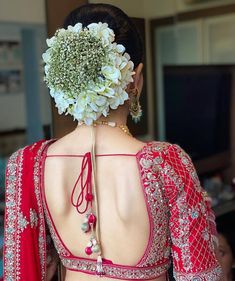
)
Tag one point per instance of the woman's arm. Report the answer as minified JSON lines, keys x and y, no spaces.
{"x":192,"y":222}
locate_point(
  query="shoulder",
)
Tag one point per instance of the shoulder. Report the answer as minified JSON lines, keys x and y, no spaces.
{"x":154,"y":153}
{"x":165,"y":149}
{"x":175,"y":166}
{"x":169,"y":156}
{"x":29,"y":150}
{"x":37,"y":147}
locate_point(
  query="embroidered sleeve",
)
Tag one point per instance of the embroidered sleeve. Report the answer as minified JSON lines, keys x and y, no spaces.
{"x":192,"y":226}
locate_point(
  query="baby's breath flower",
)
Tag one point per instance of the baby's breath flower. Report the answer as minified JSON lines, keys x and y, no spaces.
{"x":86,"y":71}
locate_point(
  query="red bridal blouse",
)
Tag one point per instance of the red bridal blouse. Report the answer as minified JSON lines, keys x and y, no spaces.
{"x":182,"y":226}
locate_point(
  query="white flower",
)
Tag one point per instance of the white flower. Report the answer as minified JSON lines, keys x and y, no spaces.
{"x":100,"y":101}
{"x":123,"y":96}
{"x":114,"y":102}
{"x":111,"y":73}
{"x":108,"y":92}
{"x":88,"y":121}
{"x":99,"y":94}
{"x":52,"y":92}
{"x":127,"y":56}
{"x":61,"y":31}
{"x":102,"y":31}
{"x":99,"y":88}
{"x":61,"y":102}
{"x":51,"y":41}
{"x":127,"y":72}
{"x":76,"y":115}
{"x":120,"y":48}
{"x":105,"y":112}
{"x":46,"y":69}
{"x":76,"y":28}
{"x":46,"y":56}
{"x":94,"y":107}
{"x":81,"y":103}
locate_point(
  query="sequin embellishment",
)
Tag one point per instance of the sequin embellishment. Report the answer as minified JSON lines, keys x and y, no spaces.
{"x":117,"y":271}
{"x":13,"y":203}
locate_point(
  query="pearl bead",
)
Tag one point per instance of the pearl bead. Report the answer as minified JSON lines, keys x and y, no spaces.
{"x":94,"y":242}
{"x":96,"y":249}
{"x":85,"y":227}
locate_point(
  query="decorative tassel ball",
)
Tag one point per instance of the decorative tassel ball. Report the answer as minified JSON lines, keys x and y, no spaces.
{"x":92,"y":219}
{"x":88,"y":251}
{"x":85,"y":227}
{"x":96,"y":248}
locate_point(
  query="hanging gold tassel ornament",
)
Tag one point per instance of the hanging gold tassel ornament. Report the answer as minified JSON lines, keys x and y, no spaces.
{"x":135,"y":107}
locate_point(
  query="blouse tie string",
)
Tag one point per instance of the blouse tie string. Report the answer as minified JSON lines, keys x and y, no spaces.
{"x":85,"y":186}
{"x":84,"y":192}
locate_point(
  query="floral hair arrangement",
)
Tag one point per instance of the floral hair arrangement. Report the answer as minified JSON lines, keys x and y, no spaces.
{"x":86,"y":71}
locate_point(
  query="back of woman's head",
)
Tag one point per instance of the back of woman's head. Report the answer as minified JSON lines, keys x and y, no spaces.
{"x":228,"y":233}
{"x":124,"y":29}
{"x":225,"y":226}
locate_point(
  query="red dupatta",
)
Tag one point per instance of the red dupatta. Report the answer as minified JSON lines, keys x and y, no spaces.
{"x":25,"y":234}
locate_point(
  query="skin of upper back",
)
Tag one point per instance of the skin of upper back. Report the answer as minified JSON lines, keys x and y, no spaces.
{"x":123,"y":216}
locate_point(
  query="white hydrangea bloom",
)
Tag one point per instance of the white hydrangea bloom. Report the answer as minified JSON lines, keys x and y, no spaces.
{"x":62,"y":103}
{"x":76,"y":28}
{"x":50,"y":42}
{"x":102,"y":31}
{"x":98,"y":92}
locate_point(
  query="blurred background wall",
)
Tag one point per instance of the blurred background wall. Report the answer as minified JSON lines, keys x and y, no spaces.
{"x":179,"y":34}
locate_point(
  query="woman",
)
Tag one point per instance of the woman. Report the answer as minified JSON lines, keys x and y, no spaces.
{"x":116,"y":207}
{"x":226,"y":247}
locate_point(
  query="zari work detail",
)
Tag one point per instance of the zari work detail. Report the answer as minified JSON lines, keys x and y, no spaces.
{"x":181,"y":221}
{"x":116,"y":271}
{"x":42,"y":232}
{"x":13,"y":217}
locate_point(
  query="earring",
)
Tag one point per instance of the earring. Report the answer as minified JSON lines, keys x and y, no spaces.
{"x":135,"y":107}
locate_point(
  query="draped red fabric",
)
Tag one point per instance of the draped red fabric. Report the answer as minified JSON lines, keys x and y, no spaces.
{"x":25,"y":236}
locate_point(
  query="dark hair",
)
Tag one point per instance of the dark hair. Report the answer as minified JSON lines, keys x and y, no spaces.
{"x":225,"y":226}
{"x":229,"y":237}
{"x":124,"y":29}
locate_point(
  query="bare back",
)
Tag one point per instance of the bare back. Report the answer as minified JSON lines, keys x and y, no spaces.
{"x":124,"y":221}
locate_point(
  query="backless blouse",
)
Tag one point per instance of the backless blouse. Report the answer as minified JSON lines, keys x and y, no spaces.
{"x":182,"y":225}
{"x":181,"y":222}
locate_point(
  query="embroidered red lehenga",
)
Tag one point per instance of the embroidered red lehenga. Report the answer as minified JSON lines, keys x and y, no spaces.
{"x":181,"y":221}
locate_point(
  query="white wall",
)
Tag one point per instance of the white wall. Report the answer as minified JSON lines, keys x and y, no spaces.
{"x":164,"y":8}
{"x":181,"y":5}
{"x":150,"y":9}
{"x":29,"y":11}
{"x":13,"y":112}
{"x":33,"y":11}
{"x":159,"y":8}
{"x":25,"y":13}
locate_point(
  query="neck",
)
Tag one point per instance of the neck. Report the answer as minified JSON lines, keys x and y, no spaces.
{"x":119,"y":116}
{"x":116,"y":118}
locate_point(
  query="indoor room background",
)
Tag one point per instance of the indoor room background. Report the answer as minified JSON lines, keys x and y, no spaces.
{"x":189,"y":91}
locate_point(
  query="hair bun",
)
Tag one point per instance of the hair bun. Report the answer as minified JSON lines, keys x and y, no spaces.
{"x":86,"y":71}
